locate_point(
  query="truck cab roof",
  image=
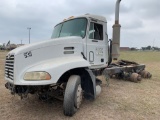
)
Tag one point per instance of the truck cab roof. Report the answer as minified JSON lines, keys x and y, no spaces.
{"x":95,"y":17}
{"x":88,"y":16}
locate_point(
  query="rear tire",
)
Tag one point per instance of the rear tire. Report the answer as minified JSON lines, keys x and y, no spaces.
{"x":73,"y":95}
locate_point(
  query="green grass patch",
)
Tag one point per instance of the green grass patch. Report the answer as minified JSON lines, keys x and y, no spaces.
{"x":141,"y":56}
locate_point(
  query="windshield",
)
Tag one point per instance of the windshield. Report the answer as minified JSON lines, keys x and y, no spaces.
{"x":74,"y":27}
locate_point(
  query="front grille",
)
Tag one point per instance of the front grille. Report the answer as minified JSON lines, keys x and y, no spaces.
{"x":9,"y":67}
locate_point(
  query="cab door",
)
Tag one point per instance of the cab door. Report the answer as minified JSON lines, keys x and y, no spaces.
{"x":96,"y":44}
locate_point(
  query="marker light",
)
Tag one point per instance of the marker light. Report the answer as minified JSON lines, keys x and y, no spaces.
{"x":71,"y":17}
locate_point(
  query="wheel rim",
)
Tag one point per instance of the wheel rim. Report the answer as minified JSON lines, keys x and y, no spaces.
{"x":79,"y":96}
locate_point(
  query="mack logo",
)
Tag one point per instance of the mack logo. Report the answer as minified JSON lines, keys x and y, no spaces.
{"x":28,"y":54}
{"x":9,"y":55}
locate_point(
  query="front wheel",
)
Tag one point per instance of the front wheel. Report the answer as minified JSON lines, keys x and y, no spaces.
{"x":73,"y":95}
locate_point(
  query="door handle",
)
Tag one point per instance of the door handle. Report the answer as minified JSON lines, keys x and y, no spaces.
{"x":94,"y":40}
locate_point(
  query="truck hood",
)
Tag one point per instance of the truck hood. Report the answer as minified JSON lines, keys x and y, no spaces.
{"x":46,"y":43}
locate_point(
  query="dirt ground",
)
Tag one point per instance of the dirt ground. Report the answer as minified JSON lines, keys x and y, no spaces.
{"x":122,"y":100}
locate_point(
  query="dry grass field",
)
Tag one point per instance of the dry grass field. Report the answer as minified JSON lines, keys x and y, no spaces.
{"x":121,"y":100}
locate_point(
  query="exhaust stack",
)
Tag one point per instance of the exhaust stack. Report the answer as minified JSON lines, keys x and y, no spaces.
{"x":116,"y":33}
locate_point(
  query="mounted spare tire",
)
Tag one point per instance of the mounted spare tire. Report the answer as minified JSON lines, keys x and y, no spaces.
{"x":73,"y":95}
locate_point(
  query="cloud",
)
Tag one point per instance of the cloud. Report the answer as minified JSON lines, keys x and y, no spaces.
{"x":148,"y":9}
{"x":139,"y":19}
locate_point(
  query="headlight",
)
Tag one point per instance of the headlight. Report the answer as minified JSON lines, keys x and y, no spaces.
{"x":37,"y":76}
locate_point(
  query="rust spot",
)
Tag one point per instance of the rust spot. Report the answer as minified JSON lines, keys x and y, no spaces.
{"x":116,"y":25}
{"x":135,"y":77}
{"x":115,"y":59}
{"x":145,"y":74}
{"x":116,"y":22}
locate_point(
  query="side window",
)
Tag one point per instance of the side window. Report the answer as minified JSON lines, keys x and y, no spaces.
{"x":96,"y":31}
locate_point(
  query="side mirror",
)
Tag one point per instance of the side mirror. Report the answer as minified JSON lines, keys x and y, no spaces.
{"x":91,"y":31}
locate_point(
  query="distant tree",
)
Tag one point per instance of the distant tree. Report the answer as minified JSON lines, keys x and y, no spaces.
{"x":0,"y":47}
{"x":155,"y":48}
{"x":143,"y":48}
{"x":133,"y":48}
{"x":148,"y":47}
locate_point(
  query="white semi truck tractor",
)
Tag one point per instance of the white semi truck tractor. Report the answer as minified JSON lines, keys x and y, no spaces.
{"x":66,"y":66}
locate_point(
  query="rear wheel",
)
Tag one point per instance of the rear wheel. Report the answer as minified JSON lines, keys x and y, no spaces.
{"x":73,"y":95}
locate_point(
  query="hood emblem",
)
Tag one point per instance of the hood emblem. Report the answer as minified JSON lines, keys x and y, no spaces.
{"x":9,"y":55}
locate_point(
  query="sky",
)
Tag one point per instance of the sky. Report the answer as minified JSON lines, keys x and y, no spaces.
{"x":139,"y":19}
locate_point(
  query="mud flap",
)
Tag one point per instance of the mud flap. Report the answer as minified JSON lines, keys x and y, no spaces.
{"x":91,"y":94}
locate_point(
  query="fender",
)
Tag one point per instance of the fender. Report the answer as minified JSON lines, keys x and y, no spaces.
{"x":55,"y":67}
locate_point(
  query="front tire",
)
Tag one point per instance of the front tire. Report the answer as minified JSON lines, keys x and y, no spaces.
{"x":73,"y":95}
